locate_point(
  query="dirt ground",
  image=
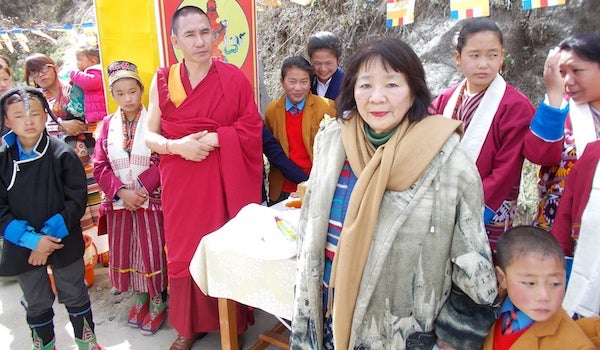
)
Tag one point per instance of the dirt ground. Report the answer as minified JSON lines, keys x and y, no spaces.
{"x":110,"y":313}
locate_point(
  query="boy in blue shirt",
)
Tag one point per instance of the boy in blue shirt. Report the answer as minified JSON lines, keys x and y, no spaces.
{"x":43,"y":194}
{"x":531,"y":273}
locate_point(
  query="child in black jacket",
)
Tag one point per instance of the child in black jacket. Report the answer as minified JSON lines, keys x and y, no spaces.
{"x":43,"y":195}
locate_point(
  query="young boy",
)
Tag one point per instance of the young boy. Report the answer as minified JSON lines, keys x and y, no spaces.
{"x":531,"y":272}
{"x":35,"y":168}
{"x":294,"y":121}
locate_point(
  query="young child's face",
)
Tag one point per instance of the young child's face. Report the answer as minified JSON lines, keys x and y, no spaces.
{"x":535,"y":284}
{"x":84,"y":61}
{"x":324,"y":63}
{"x":480,"y":60}
{"x":27,"y":127}
{"x":296,"y":84}
{"x":128,"y":94}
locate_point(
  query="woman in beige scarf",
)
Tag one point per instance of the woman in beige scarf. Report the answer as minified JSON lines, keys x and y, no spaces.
{"x":393,"y":250}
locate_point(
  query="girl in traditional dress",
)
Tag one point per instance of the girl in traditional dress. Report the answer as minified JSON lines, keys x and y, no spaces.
{"x":495,"y":118}
{"x":127,"y":171}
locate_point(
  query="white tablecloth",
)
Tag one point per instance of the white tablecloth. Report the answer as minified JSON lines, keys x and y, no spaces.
{"x":248,"y":260}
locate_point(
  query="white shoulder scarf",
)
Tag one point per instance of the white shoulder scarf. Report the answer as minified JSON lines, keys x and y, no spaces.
{"x":584,"y":130}
{"x":477,"y":131}
{"x":583,"y":292}
{"x":127,"y":167}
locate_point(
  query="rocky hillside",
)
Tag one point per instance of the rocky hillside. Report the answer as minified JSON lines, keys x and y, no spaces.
{"x":40,"y":14}
{"x":528,"y":35}
{"x":284,"y":31}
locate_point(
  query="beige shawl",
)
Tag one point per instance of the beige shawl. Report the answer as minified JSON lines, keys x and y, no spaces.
{"x":395,"y":166}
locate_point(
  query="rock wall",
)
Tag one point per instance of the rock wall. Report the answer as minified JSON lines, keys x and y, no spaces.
{"x":528,"y":35}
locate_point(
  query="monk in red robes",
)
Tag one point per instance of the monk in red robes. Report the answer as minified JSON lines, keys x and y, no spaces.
{"x":203,"y":120}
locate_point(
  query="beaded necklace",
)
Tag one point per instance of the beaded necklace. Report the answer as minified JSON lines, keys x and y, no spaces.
{"x":129,"y":128}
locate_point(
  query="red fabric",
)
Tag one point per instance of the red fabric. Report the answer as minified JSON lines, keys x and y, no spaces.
{"x":575,"y":197}
{"x":189,"y":313}
{"x":505,"y":341}
{"x":542,"y":152}
{"x":297,"y":151}
{"x":500,"y":160}
{"x":137,"y":259}
{"x":199,"y":197}
{"x":552,"y":177}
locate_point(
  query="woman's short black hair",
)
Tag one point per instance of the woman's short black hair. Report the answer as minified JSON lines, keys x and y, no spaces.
{"x":324,"y":40}
{"x":395,"y":55}
{"x":585,"y":45}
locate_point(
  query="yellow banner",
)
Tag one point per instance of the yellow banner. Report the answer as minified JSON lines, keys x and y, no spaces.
{"x":127,"y":31}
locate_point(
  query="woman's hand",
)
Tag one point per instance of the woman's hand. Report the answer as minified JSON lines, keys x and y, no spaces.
{"x":72,"y":127}
{"x":553,"y":78}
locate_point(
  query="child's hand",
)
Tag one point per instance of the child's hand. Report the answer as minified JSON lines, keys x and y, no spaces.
{"x":48,"y":245}
{"x":131,"y":199}
{"x":37,"y":259}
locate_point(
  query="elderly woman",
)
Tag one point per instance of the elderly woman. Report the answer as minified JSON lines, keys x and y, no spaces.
{"x":393,"y":252}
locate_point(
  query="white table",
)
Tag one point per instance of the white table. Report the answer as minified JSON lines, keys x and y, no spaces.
{"x":248,"y":261}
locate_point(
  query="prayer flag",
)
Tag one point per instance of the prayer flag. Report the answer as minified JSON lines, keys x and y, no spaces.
{"x":400,"y":12}
{"x":7,"y":41}
{"x":21,"y":39}
{"x":460,"y":9}
{"x":38,"y":32}
{"x":89,"y":29}
{"x":534,"y":4}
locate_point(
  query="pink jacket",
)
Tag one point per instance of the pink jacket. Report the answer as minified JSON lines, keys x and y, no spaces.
{"x":94,"y":102}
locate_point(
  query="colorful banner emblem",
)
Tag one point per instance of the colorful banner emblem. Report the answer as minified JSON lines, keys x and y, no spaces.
{"x":400,"y":12}
{"x":534,"y":4}
{"x":234,"y":27}
{"x":460,"y":9}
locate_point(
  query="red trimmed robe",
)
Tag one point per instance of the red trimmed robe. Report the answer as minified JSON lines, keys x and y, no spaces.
{"x":199,"y":197}
{"x":575,"y":198}
{"x":500,"y":160}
